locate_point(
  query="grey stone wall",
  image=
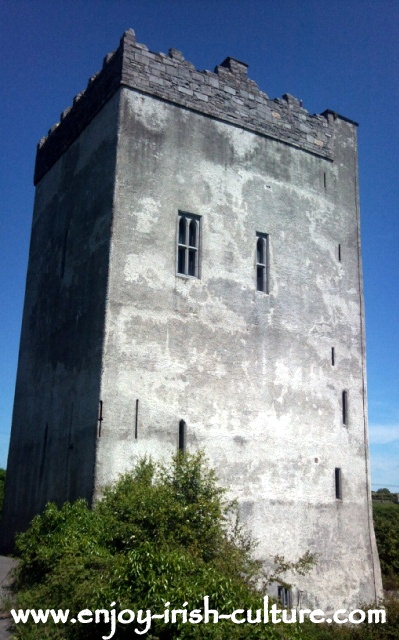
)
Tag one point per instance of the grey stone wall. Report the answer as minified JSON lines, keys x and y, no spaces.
{"x":251,"y":374}
{"x":54,"y":429}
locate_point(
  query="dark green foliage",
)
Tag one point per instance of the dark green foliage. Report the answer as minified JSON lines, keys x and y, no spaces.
{"x":165,"y":535}
{"x":384,"y":495}
{"x":2,"y":483}
{"x":379,"y":631}
{"x":386,"y":526}
{"x":160,"y":535}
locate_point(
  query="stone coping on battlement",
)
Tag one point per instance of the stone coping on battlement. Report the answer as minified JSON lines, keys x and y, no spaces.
{"x":226,"y":94}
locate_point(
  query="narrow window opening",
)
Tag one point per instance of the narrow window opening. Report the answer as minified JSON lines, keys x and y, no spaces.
{"x":338,"y":484}
{"x":192,"y":240}
{"x":136,"y":423}
{"x":260,"y":277}
{"x":260,"y":245}
{"x":325,"y":181}
{"x":339,"y":253}
{"x":332,"y":356}
{"x":181,"y":260}
{"x":191,"y":262}
{"x":43,"y":460}
{"x":345,"y":408}
{"x":285,"y":596}
{"x":262,"y":262}
{"x":188,"y":245}
{"x":100,"y":417}
{"x":182,"y":230}
{"x":63,"y":255}
{"x":70,"y":442}
{"x":182,"y":435}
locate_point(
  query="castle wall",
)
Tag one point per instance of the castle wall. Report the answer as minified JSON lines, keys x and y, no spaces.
{"x":54,"y":427}
{"x":250,"y":373}
{"x":109,"y":323}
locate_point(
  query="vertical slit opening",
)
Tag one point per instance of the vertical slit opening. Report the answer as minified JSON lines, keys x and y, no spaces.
{"x":338,"y":484}
{"x":100,"y":417}
{"x":43,"y":460}
{"x":136,"y":423}
{"x":262,"y":262}
{"x":345,"y":408}
{"x":182,"y":435}
{"x":63,"y":256}
{"x":339,"y":253}
{"x":332,"y":356}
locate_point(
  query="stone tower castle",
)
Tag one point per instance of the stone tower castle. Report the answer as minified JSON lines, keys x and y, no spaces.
{"x":195,"y":281}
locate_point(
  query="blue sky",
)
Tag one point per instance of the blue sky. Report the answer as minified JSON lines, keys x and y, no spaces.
{"x":332,"y":54}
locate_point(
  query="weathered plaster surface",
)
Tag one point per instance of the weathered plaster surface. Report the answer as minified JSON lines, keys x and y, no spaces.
{"x":250,"y":373}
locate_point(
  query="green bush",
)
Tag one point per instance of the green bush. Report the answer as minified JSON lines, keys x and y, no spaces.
{"x":159,"y":535}
{"x":386,"y":526}
{"x":164,"y":535}
{"x":381,"y":631}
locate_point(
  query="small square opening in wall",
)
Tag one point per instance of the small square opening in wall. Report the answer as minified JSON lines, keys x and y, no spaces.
{"x":338,"y":484}
{"x":285,"y":596}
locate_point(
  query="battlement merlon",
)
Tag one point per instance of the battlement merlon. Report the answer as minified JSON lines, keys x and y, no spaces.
{"x":226,"y":94}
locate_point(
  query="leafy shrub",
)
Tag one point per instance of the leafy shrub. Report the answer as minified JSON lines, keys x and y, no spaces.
{"x":161,"y":534}
{"x":166,"y":534}
{"x":386,"y":526}
{"x":381,"y":631}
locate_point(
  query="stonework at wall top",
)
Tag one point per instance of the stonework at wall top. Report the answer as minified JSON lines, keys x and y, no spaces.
{"x":226,"y":94}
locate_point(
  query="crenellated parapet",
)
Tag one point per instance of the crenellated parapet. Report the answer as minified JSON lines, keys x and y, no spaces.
{"x":226,"y":94}
{"x":74,"y":119}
